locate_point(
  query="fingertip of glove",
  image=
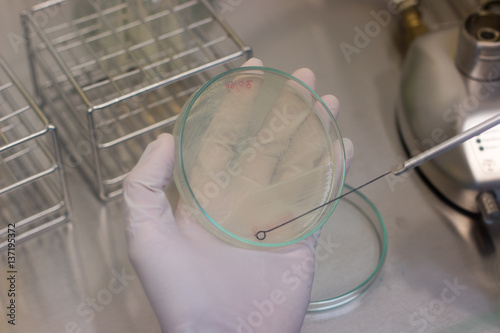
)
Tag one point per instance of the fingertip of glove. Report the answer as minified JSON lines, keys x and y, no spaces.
{"x":307,"y":76}
{"x":253,"y":62}
{"x":165,"y":136}
{"x":332,"y":103}
{"x":165,"y":139}
{"x":349,"y":151}
{"x":164,"y":142}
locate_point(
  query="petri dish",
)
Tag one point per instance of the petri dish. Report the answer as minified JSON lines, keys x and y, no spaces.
{"x":350,"y":253}
{"x":255,"y":149}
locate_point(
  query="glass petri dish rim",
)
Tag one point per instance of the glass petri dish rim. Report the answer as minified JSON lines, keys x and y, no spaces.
{"x":287,"y":76}
{"x":328,"y":304}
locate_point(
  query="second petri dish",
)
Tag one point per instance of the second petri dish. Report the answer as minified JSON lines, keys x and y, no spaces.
{"x":350,"y":253}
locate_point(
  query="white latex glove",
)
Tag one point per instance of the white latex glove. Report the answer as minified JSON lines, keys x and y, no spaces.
{"x":198,"y":283}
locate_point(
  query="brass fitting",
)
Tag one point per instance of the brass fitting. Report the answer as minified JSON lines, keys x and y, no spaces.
{"x":410,"y":18}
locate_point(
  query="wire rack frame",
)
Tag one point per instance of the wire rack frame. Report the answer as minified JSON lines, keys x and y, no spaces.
{"x":115,"y":73}
{"x":33,"y":192}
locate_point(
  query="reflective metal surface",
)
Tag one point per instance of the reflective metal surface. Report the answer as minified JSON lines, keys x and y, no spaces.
{"x":439,"y":101}
{"x":112,"y":75}
{"x":442,"y":270}
{"x":33,"y":194}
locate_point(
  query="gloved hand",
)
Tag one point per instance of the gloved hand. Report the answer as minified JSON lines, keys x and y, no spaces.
{"x":197,"y":282}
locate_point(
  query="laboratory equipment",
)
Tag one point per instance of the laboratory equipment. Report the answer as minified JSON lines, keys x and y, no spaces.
{"x":260,"y":159}
{"x":256,"y":147}
{"x":33,"y":195}
{"x":411,"y":163}
{"x":450,"y":83}
{"x":112,"y":75}
{"x":350,"y":253}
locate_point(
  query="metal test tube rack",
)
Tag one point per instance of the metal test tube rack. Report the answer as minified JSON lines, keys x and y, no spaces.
{"x":113,"y":74}
{"x":33,"y":193}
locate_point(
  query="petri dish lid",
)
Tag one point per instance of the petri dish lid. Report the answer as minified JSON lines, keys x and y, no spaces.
{"x":256,"y":148}
{"x":350,"y":253}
